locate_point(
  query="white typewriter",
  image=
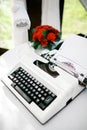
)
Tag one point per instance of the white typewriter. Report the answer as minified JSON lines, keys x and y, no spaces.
{"x":46,"y":85}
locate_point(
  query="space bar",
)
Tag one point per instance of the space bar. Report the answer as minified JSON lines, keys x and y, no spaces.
{"x":23,"y":94}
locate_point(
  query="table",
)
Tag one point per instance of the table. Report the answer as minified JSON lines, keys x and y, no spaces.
{"x":14,"y":116}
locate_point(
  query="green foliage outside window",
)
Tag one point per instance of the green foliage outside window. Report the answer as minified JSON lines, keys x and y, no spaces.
{"x":5,"y":21}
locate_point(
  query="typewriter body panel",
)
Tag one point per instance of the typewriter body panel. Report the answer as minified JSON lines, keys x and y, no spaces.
{"x":64,"y":86}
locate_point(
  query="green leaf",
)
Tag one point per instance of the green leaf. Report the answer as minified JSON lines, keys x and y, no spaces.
{"x":33,"y":30}
{"x":57,"y":39}
{"x":50,"y":45}
{"x":31,"y":34}
{"x":36,"y":44}
{"x":45,"y":33}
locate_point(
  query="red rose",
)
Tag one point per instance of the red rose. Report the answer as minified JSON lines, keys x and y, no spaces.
{"x":44,"y":43}
{"x":51,"y":37}
{"x":37,"y":35}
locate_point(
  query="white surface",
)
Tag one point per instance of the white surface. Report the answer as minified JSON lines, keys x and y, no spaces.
{"x":13,"y":115}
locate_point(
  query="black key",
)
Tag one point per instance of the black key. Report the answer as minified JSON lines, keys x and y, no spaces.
{"x":42,"y":98}
{"x":34,"y":90}
{"x":42,"y":92}
{"x":29,"y":92}
{"x":11,"y":77}
{"x":13,"y":84}
{"x":39,"y":95}
{"x":39,"y":89}
{"x":37,"y":100}
{"x":34,"y":97}
{"x":53,"y":95}
{"x":45,"y":94}
{"x":48,"y":100}
{"x":19,"y":83}
{"x":23,"y":94}
{"x":42,"y":106}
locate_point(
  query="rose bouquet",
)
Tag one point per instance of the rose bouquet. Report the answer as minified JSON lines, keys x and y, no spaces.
{"x":44,"y":36}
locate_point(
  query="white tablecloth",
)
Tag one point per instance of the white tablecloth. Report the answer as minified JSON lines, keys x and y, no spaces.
{"x":14,"y":116}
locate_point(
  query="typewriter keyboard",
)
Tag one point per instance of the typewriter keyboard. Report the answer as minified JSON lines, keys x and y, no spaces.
{"x":31,"y":89}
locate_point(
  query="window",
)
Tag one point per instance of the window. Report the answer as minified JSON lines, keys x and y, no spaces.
{"x":74,"y":18}
{"x":5,"y":24}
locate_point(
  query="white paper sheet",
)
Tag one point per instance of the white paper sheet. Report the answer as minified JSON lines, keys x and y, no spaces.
{"x":73,"y":53}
